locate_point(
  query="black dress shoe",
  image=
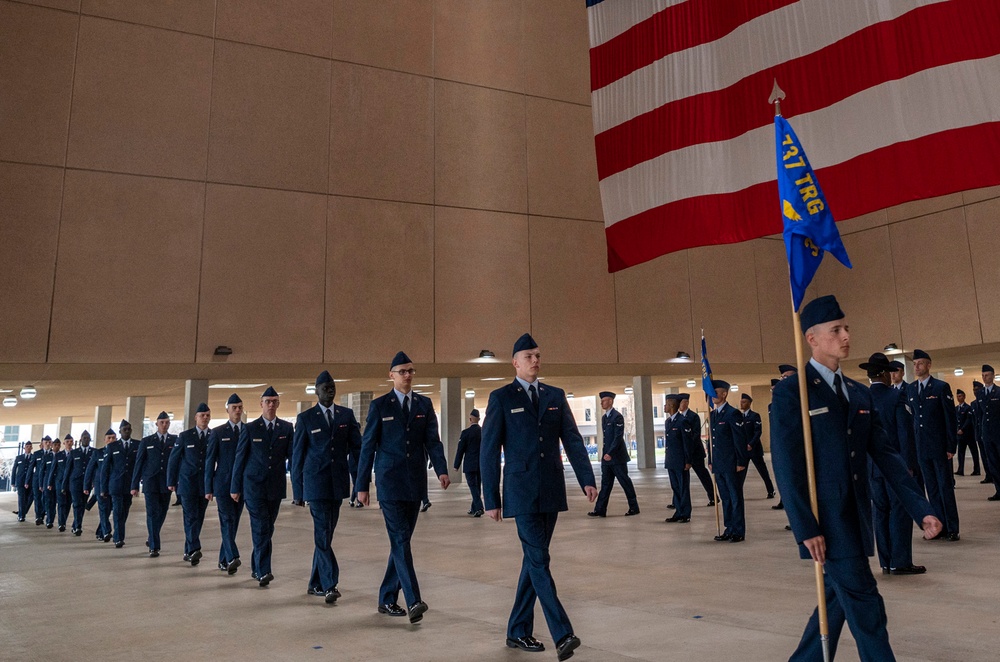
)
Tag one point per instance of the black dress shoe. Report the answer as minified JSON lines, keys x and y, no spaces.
{"x":38,"y":522}
{"x":528,"y":643}
{"x":233,"y":566}
{"x":788,"y":527}
{"x":107,"y":538}
{"x":119,"y":544}
{"x":723,"y":538}
{"x":632,"y":512}
{"x":265,"y":580}
{"x":391,"y":610}
{"x":351,"y":503}
{"x":78,"y":532}
{"x":331,"y":595}
{"x":21,"y":519}
{"x":253,"y":576}
{"x":736,"y":539}
{"x":711,"y":502}
{"x":778,"y":506}
{"x":986,"y":481}
{"x":223,"y":566}
{"x":975,"y":473}
{"x":908,"y":570}
{"x":885,"y":571}
{"x":594,"y":513}
{"x":470,"y":511}
{"x":316,"y":590}
{"x":953,"y":537}
{"x":479,"y":513}
{"x":62,"y":529}
{"x":671,"y":506}
{"x":424,"y":507}
{"x":187,"y":557}
{"x":959,"y":473}
{"x":359,"y":505}
{"x":675,"y":518}
{"x":995,"y":497}
{"x":416,"y":611}
{"x":770,"y":495}
{"x":196,"y":557}
{"x":176,"y":503}
{"x":566,"y":646}
{"x":153,"y":553}
{"x":48,"y":526}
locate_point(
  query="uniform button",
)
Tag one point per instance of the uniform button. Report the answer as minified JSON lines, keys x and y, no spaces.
{"x":407,"y":455}
{"x":543,"y":454}
{"x":848,"y":431}
{"x":407,"y":443}
{"x":540,"y":439}
{"x":855,"y":476}
{"x":852,"y":453}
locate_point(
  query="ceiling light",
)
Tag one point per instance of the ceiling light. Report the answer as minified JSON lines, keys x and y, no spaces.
{"x":958,"y":372}
{"x":235,"y":386}
{"x":340,"y":381}
{"x":734,"y":388}
{"x":492,"y":379}
{"x":422,"y":385}
{"x":469,"y":393}
{"x":170,"y":415}
{"x":28,"y":392}
{"x":10,"y":401}
{"x":892,"y":348}
{"x":222,"y":350}
{"x":681,"y":357}
{"x":486,"y":354}
{"x":691,"y":383}
{"x":310,"y":389}
{"x":570,"y":395}
{"x":629,"y":390}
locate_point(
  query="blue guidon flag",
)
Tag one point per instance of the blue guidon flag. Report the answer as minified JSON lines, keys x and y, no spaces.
{"x":706,"y":371}
{"x":809,"y":226}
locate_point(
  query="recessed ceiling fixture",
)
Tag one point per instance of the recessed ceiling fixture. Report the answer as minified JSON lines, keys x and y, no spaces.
{"x":235,"y":386}
{"x":310,"y":389}
{"x":470,"y":393}
{"x":959,"y":372}
{"x":734,"y":388}
{"x":28,"y":392}
{"x":691,"y":383}
{"x":10,"y":401}
{"x":629,"y":390}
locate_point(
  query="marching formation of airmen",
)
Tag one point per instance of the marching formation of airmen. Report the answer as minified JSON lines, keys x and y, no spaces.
{"x":883,"y":459}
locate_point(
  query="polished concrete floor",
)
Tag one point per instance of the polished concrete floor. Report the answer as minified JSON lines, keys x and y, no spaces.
{"x":635,"y":588}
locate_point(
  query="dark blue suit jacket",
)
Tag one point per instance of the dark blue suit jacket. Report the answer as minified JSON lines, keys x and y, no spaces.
{"x":677,"y":442}
{"x":965,"y":421}
{"x":36,"y":469}
{"x":696,"y":449}
{"x":398,"y":449}
{"x":753,"y":428}
{"x":186,"y":466}
{"x":22,"y":464}
{"x":77,"y":462}
{"x":533,"y":476}
{"x":933,"y":418}
{"x":322,"y":457}
{"x":55,"y":467}
{"x":469,"y":443}
{"x":260,"y":468}
{"x":729,"y":441}
{"x":118,"y":467}
{"x":893,"y":413}
{"x":989,"y":415}
{"x":93,"y":480}
{"x":613,"y":426}
{"x":219,"y":459}
{"x":151,"y":464}
{"x":842,"y":443}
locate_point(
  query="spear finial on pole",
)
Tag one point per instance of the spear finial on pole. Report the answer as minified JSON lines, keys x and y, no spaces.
{"x":777,"y":94}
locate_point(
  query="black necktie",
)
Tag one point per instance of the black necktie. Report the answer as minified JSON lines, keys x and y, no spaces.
{"x":270,"y":427}
{"x":840,"y":391}
{"x":236,"y":430}
{"x":329,"y":418}
{"x":201,"y":436}
{"x":406,"y":408}
{"x":533,"y":395}
{"x":920,"y":389}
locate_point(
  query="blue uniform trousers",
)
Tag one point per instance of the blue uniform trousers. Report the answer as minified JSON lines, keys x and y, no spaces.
{"x":680,"y":483}
{"x":50,"y":507}
{"x":263,"y":514}
{"x":103,"y":516}
{"x":120,"y":505}
{"x":893,"y":527}
{"x":991,"y":461}
{"x":610,"y":472}
{"x":25,"y":497}
{"x":157,"y":504}
{"x":230,"y":513}
{"x":325,"y":570}
{"x":400,"y":520}
{"x":475,"y":481}
{"x":761,"y":465}
{"x":940,"y":484}
{"x":851,"y":595}
{"x":968,"y":440}
{"x":535,"y":532}
{"x":731,"y":494}
{"x":704,"y":476}
{"x":39,"y":504}
{"x":63,"y":504}
{"x":194,"y":518}
{"x":79,"y":500}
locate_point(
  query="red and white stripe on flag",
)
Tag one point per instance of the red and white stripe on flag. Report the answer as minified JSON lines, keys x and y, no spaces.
{"x":896,"y":100}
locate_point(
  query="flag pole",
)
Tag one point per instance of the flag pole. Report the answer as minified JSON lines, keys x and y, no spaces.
{"x":824,"y":627}
{"x":715,"y":486}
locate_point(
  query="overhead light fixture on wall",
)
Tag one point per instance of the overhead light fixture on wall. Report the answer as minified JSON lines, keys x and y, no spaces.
{"x":28,"y":393}
{"x":222,"y":350}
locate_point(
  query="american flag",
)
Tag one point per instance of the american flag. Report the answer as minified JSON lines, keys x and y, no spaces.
{"x":898,"y":100}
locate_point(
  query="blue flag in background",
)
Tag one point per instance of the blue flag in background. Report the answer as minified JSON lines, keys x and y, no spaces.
{"x":706,"y":371}
{"x":809,"y":226}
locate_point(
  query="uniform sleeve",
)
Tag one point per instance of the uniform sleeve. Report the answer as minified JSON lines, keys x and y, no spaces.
{"x":354,"y":442}
{"x":494,"y":437}
{"x":299,"y":443}
{"x":575,"y":449}
{"x":789,"y":459}
{"x":433,"y":445}
{"x":140,"y":461}
{"x":369,"y":444}
{"x":890,"y":463}
{"x":905,"y":432}
{"x":948,"y":405}
{"x":240,"y":463}
{"x":211,"y":458}
{"x":463,"y":441}
{"x":174,"y":463}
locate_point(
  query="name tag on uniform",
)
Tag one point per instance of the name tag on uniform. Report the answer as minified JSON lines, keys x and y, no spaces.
{"x":387,"y":418}
{"x":343,"y":425}
{"x":908,"y":410}
{"x":115,"y":452}
{"x":149,"y":448}
{"x":190,"y":446}
{"x":315,"y":431}
{"x":226,"y":438}
{"x":284,"y":436}
{"x":932,"y":397}
{"x":864,"y":411}
{"x":821,"y":410}
{"x":517,"y":411}
{"x":256,"y":440}
{"x":420,"y":416}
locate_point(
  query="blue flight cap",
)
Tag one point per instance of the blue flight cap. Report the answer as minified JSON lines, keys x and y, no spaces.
{"x":786,"y":367}
{"x":921,"y":354}
{"x":819,"y":311}
{"x":269,"y":393}
{"x":719,"y":383}
{"x":897,"y":366}
{"x":976,"y":386}
{"x":68,"y":436}
{"x":163,"y":415}
{"x":606,"y":394}
{"x":474,"y":413}
{"x":988,"y":368}
{"x":110,"y":433}
{"x":202,"y":408}
{"x":84,"y":434}
{"x":400,"y":359}
{"x":123,"y":424}
{"x":675,"y":396}
{"x":234,"y":400}
{"x":684,"y":396}
{"x":325,"y":378}
{"x":745,"y":396}
{"x":523,"y":343}
{"x":959,"y":392}
{"x":46,"y":438}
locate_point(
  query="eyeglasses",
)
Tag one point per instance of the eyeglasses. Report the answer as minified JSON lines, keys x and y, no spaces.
{"x":406,"y":371}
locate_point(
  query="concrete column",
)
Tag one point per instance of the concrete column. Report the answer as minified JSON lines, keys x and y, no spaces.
{"x":64,"y":426}
{"x":195,"y":392}
{"x":301,"y":406}
{"x":135,"y":413}
{"x":598,"y":427}
{"x":359,"y":401}
{"x":645,"y":440}
{"x":908,"y":375}
{"x":761,"y":399}
{"x":450,"y":419}
{"x":102,"y":421}
{"x":37,"y":432}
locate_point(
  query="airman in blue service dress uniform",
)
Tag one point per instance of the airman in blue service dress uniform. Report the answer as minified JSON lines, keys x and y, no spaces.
{"x":893,"y":526}
{"x":78,"y":460}
{"x":989,"y":414}
{"x":326,"y":437}
{"x":119,"y":463}
{"x":468,"y":449}
{"x":525,"y":421}
{"x":94,"y":484}
{"x":259,"y":475}
{"x":64,"y":502}
{"x":19,"y":472}
{"x":36,"y":477}
{"x":219,"y":459}
{"x":186,"y":477}
{"x":677,"y":458}
{"x":54,"y":466}
{"x":729,"y":462}
{"x":965,"y":428}
{"x":846,"y":432}
{"x":151,"y":469}
{"x":614,"y":459}
{"x":401,"y":432}
{"x":934,"y":429}
{"x":696,"y":449}
{"x":753,"y":428}
{"x":977,"y":415}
